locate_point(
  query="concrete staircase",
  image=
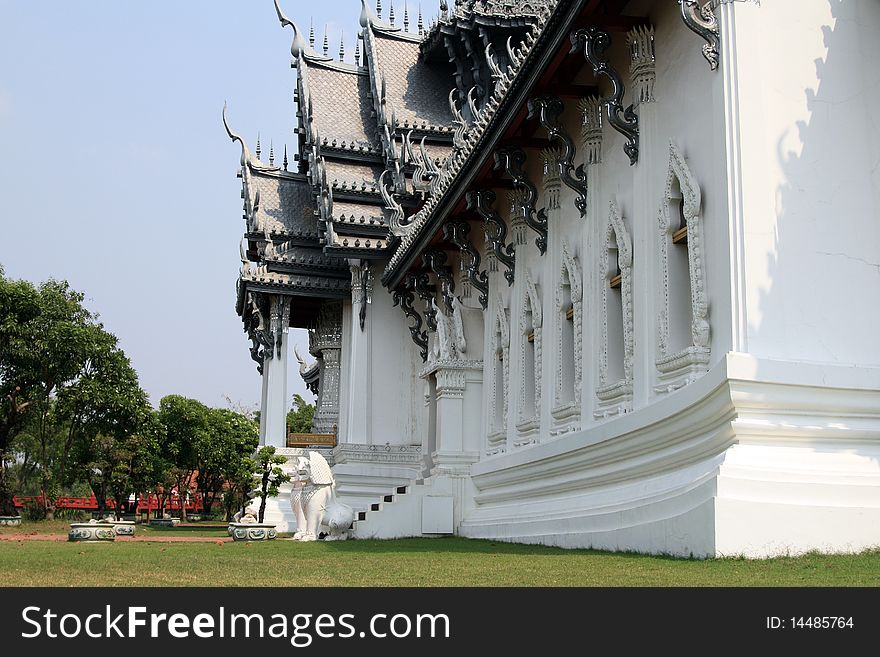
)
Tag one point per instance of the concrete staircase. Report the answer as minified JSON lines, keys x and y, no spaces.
{"x":416,"y":509}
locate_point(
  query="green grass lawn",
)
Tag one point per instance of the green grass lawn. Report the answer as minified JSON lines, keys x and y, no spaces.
{"x":62,"y":526}
{"x":408,"y":562}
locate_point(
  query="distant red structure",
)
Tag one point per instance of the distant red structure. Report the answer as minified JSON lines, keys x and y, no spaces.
{"x":144,"y":503}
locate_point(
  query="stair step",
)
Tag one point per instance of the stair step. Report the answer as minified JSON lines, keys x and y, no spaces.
{"x":374,"y":506}
{"x":401,"y":490}
{"x":388,"y":498}
{"x":362,"y":515}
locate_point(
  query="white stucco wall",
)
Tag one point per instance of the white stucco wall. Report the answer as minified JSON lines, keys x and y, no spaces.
{"x":809,"y":86}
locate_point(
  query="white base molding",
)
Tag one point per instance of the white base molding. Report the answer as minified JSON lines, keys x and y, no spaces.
{"x":756,"y":458}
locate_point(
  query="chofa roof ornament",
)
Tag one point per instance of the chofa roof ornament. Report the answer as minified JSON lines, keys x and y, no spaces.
{"x":246,"y":158}
{"x":299,"y":46}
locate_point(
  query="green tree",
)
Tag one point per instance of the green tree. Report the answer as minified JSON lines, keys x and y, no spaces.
{"x":300,"y":416}
{"x":269,"y":476}
{"x":62,"y":378}
{"x":230,"y":437}
{"x":19,"y":306}
{"x":117,"y":465}
{"x":185,"y":425}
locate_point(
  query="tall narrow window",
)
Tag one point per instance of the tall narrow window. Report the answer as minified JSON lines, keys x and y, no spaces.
{"x":614,"y":391}
{"x":500,"y":349}
{"x":528,"y":373}
{"x":683,"y":346}
{"x":566,"y":407}
{"x":566,"y":348}
{"x":680,"y":305}
{"x":530,"y":330}
{"x":614,"y":316}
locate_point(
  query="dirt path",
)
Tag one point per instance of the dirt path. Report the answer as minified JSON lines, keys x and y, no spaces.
{"x":59,"y":538}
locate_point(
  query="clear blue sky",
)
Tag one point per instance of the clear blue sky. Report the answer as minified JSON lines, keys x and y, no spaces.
{"x":117,"y":176}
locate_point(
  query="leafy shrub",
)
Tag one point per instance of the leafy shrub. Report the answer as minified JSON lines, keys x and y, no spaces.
{"x":33,"y":510}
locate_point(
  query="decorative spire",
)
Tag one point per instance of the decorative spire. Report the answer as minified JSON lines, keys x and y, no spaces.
{"x":284,"y":161}
{"x":326,"y":41}
{"x":342,"y":46}
{"x":258,"y":146}
{"x":391,"y":13}
{"x":271,"y":153}
{"x":405,"y":17}
{"x":312,"y":33}
{"x":357,"y":51}
{"x":421,"y":22}
{"x":444,"y":9}
{"x":379,"y":8}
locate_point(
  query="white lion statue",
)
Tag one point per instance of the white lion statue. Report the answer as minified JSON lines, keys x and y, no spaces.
{"x":314,"y":502}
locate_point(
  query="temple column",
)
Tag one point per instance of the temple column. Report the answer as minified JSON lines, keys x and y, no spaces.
{"x":358,"y":427}
{"x":273,"y":404}
{"x":325,"y":344}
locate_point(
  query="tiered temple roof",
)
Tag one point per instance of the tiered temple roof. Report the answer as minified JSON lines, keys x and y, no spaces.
{"x":389,"y":144}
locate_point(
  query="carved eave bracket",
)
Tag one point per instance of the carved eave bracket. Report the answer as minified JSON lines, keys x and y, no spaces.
{"x":512,"y":159}
{"x":458,"y":232}
{"x":404,"y":298}
{"x":594,"y":42}
{"x":702,"y":21}
{"x":482,"y":201}
{"x":258,"y":326}
{"x":436,"y":260}
{"x":548,"y":109}
{"x":421,"y":283}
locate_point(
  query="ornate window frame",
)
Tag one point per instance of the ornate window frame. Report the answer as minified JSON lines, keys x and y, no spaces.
{"x":615,"y":397}
{"x":566,"y":414}
{"x":677,"y":369}
{"x":528,"y":426}
{"x":497,"y":437}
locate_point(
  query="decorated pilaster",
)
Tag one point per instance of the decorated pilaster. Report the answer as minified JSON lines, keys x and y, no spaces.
{"x":642,"y":76}
{"x":273,"y":406}
{"x":454,"y":379}
{"x":325,"y":343}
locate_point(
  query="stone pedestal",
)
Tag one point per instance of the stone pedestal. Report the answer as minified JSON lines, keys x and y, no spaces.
{"x":243,"y":531}
{"x":458,"y":399}
{"x":91,"y":531}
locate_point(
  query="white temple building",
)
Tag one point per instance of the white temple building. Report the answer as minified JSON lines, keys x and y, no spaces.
{"x":584,"y":273}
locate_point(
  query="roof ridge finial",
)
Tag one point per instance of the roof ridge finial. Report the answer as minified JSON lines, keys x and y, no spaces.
{"x":284,"y":161}
{"x":312,"y":32}
{"x":406,"y":17}
{"x":326,"y":41}
{"x":258,"y":146}
{"x":245,"y":155}
{"x":342,"y":45}
{"x":379,"y":8}
{"x":391,"y":13}
{"x":298,"y":45}
{"x":357,"y":51}
{"x":271,"y":153}
{"x":421,"y":22}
